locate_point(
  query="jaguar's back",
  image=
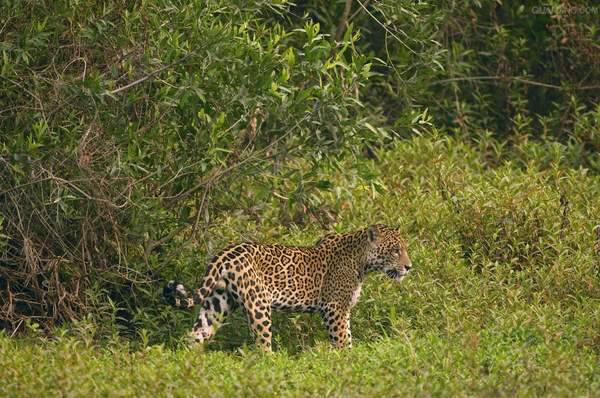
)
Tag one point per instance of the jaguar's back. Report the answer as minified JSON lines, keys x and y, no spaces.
{"x":292,"y":275}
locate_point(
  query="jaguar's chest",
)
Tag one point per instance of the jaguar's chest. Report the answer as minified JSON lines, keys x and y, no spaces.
{"x":355,"y":296}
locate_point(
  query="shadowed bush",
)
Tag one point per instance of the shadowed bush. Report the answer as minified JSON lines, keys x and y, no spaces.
{"x":123,"y":139}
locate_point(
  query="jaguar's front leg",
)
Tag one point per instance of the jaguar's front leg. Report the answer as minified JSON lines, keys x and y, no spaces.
{"x":337,"y":320}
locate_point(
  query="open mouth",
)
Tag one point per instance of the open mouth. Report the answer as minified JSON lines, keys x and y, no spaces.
{"x":392,"y":273}
{"x":395,"y":274}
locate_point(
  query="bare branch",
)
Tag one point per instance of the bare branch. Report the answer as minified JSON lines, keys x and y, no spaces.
{"x":341,"y":28}
{"x":513,"y":78}
{"x":386,"y":28}
{"x":148,"y":76}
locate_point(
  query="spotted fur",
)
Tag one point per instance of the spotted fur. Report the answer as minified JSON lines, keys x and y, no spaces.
{"x":325,"y":278}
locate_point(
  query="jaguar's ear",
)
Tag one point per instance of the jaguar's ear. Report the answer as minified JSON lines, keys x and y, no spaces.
{"x":373,"y":234}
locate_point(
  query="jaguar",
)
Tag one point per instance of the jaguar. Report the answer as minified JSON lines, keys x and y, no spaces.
{"x":324,"y":278}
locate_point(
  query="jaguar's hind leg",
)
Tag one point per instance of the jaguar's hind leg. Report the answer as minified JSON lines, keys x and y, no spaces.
{"x":257,"y":304}
{"x":214,"y":310}
{"x":260,"y":322}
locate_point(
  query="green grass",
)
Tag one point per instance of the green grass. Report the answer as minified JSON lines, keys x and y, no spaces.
{"x":504,"y":299}
{"x":507,"y":359}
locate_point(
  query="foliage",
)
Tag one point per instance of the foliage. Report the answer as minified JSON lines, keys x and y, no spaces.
{"x":138,"y":138}
{"x":122,"y":136}
{"x":507,"y":359}
{"x":503,"y":298}
{"x":509,"y":67}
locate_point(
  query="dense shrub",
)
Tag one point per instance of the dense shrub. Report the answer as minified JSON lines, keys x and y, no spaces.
{"x":512,"y":68}
{"x":128,"y":127}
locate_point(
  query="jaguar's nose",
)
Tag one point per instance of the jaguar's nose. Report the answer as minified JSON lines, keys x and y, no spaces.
{"x":407,"y":267}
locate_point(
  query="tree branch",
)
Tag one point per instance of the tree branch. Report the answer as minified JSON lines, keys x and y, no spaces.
{"x":513,"y":78}
{"x":148,"y":76}
{"x":341,"y":28}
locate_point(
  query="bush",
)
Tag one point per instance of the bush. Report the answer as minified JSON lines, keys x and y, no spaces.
{"x":512,"y":68}
{"x":125,"y":139}
{"x":140,"y":137}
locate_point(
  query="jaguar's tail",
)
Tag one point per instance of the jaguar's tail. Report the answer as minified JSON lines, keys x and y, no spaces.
{"x":177,"y":295}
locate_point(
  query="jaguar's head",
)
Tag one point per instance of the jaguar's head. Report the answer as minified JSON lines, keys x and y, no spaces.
{"x":387,"y":252}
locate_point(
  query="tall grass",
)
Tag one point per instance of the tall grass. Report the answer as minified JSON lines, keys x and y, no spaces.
{"x":504,"y":298}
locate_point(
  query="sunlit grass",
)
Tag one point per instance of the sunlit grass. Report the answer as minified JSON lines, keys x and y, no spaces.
{"x":504,"y":299}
